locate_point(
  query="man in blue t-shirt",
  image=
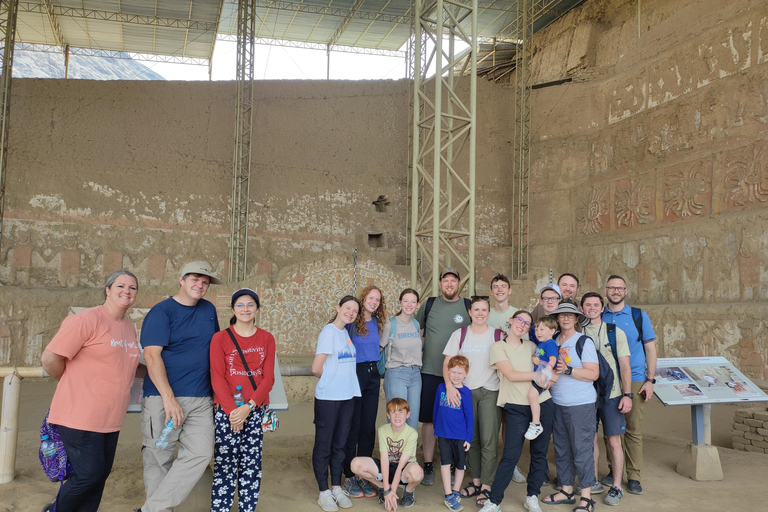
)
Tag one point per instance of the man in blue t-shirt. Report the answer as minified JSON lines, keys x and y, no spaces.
{"x":642,"y":359}
{"x":176,"y":337}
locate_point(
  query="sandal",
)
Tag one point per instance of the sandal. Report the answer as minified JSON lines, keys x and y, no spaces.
{"x":485,"y":495}
{"x":466,"y":493}
{"x":568,"y":500}
{"x":590,"y":507}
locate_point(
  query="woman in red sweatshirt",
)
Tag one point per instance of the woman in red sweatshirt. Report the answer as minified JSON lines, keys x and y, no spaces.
{"x":242,"y":355}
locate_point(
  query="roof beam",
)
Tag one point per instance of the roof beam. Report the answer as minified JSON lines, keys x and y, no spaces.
{"x":331,"y":11}
{"x":345,"y":22}
{"x":319,"y":46}
{"x":58,"y":38}
{"x":137,"y":19}
{"x":112,"y":54}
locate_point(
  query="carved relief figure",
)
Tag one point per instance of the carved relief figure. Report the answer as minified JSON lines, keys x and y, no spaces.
{"x":592,"y":209}
{"x":684,"y":190}
{"x":634,"y":203}
{"x":746,"y":178}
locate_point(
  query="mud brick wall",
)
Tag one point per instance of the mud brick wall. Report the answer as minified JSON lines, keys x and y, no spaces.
{"x":750,"y":429}
{"x":653,"y":164}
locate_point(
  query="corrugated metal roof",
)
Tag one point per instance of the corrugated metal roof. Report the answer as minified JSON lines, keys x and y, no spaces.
{"x":188,"y":28}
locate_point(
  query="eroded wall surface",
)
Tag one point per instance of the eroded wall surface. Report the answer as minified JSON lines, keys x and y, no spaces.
{"x":653,"y":164}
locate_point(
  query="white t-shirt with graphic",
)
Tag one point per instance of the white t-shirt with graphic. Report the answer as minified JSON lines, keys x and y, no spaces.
{"x":339,"y":378}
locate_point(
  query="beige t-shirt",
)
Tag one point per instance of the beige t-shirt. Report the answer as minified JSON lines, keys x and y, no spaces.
{"x":520,"y":359}
{"x":477,"y":350}
{"x":599,"y":333}
{"x":501,"y":320}
{"x":406,"y":345}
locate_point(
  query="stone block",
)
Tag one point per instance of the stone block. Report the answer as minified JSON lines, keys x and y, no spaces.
{"x":760,"y":444}
{"x":738,"y":446}
{"x":753,"y":422}
{"x":753,"y":436}
{"x":738,"y":419}
{"x":740,"y":427}
{"x":701,"y":463}
{"x":761,"y":416}
{"x":754,"y":449}
{"x":762,"y":431}
{"x":740,"y":440}
{"x":744,"y":413}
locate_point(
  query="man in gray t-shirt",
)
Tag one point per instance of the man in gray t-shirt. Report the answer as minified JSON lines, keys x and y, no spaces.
{"x":439,"y":317}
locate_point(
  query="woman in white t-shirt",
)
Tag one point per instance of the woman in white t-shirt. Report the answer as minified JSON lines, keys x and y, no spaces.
{"x":474,"y":342}
{"x":403,"y":347}
{"x":335,"y":364}
{"x":574,"y":395}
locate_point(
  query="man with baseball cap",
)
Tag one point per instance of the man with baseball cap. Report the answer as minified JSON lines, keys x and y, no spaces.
{"x":176,"y":337}
{"x":439,"y":317}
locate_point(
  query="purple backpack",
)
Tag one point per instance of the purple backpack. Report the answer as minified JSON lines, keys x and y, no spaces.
{"x":57,"y":468}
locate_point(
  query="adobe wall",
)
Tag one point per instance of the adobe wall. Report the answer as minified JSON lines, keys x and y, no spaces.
{"x":653,"y":164}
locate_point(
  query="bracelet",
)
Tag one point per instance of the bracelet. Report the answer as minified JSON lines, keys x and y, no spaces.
{"x":387,"y":491}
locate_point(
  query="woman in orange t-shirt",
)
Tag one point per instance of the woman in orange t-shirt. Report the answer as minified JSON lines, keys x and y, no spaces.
{"x":95,"y":357}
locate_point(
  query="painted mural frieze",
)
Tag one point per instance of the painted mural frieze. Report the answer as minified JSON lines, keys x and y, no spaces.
{"x":592,"y":214}
{"x":746,"y":176}
{"x":687,"y":191}
{"x":634,"y":201}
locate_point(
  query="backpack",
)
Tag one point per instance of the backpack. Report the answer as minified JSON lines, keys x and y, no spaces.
{"x":498,"y":335}
{"x":386,"y":351}
{"x":611,"y":331}
{"x":56,"y":468}
{"x":604,"y":383}
{"x":430,"y":303}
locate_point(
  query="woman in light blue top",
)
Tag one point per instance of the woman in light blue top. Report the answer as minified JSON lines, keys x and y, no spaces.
{"x":335,"y":364}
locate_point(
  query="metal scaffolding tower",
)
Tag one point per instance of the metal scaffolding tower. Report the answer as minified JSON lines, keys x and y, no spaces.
{"x":444,"y":143}
{"x":246,"y":53}
{"x":522,"y":139}
{"x":8,"y":13}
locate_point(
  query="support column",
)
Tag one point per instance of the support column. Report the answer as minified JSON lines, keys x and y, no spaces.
{"x":8,"y":13}
{"x":246,"y":53}
{"x":444,"y":144}
{"x":522,"y":139}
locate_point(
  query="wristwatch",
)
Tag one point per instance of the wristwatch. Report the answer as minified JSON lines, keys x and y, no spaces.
{"x":251,"y":406}
{"x":652,"y":381}
{"x":631,"y":396}
{"x":568,"y":370}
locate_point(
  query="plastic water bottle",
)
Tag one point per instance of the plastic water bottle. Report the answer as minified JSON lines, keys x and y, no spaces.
{"x":47,"y":447}
{"x":238,"y":396}
{"x":162,"y":441}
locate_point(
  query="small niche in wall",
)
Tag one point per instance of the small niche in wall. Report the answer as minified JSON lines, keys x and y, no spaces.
{"x":381,"y":204}
{"x":375,"y":240}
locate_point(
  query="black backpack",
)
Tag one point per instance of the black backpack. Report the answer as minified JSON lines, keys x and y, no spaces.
{"x":604,"y":383}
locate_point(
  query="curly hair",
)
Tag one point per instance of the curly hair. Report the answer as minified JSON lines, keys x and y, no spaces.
{"x":380,"y":314}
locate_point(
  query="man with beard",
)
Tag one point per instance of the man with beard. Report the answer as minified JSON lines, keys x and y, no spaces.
{"x":642,"y":345}
{"x":439,"y":317}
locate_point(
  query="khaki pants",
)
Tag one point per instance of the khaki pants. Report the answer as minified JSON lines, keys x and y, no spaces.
{"x":632,"y":440}
{"x":167,"y":481}
{"x":484,"y":450}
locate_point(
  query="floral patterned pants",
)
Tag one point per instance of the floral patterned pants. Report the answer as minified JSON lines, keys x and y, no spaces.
{"x":237,"y":461}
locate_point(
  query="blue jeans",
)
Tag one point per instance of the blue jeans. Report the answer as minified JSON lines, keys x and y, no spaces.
{"x":405,"y":382}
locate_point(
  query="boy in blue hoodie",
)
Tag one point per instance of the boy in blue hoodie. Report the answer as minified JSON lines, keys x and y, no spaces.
{"x":454,"y":430}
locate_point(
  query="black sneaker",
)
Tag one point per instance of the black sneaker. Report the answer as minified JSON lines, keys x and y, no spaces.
{"x":381,"y":495}
{"x":634,"y":487}
{"x":607,"y":480}
{"x":407,"y":500}
{"x":429,"y":474}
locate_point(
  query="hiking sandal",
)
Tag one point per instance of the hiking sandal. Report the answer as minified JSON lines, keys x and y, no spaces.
{"x":568,"y":500}
{"x":485,"y":495}
{"x":474,"y":492}
{"x":590,"y":507}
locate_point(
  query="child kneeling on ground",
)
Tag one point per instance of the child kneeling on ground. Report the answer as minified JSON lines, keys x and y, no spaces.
{"x":397,"y":446}
{"x":454,"y":428}
{"x":545,"y":359}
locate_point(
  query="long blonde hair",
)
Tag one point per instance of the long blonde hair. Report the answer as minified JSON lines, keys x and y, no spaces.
{"x":380,"y":314}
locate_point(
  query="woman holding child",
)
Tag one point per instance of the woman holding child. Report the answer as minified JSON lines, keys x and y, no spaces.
{"x":512,"y":361}
{"x":574,"y":396}
{"x":474,"y":342}
{"x":402,"y":344}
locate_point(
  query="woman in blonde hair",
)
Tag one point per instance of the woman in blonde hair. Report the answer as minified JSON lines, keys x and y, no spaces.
{"x":365,"y":334}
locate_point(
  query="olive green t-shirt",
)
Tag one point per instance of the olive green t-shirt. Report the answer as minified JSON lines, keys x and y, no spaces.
{"x":444,"y":318}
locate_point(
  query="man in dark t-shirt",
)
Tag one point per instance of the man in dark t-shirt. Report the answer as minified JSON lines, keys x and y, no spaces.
{"x":176,"y":337}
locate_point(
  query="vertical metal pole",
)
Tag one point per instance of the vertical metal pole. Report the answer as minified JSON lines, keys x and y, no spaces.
{"x":328,"y":62}
{"x":472,"y":148}
{"x":437,"y":153}
{"x":8,"y":13}
{"x":415,"y":141}
{"x":66,"y":62}
{"x":697,"y":424}
{"x":246,"y":49}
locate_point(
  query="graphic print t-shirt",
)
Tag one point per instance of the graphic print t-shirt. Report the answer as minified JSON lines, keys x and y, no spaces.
{"x":395,"y":445}
{"x":339,"y":379}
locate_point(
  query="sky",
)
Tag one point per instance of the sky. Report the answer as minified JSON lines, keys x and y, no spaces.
{"x":281,"y":63}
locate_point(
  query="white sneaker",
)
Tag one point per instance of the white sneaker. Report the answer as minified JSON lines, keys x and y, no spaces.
{"x":342,"y":498}
{"x":490,"y":507}
{"x":517,"y":476}
{"x":533,"y":431}
{"x":532,"y":504}
{"x":326,"y":501}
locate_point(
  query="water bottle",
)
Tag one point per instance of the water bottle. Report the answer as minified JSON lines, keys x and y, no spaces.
{"x":238,"y":396}
{"x":47,"y":447}
{"x":162,"y":441}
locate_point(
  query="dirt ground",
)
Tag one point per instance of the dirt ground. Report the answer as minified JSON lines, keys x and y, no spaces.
{"x":289,"y":485}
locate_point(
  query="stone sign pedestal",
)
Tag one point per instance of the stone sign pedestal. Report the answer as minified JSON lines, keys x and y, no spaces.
{"x":700,"y":463}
